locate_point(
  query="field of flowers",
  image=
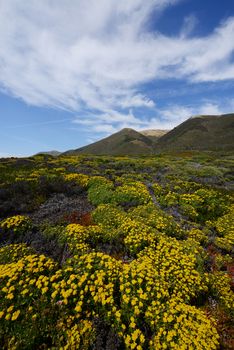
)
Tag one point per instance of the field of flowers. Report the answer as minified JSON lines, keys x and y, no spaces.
{"x":117,"y":253}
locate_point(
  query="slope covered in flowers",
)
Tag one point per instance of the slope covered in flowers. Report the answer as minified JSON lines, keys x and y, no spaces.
{"x":143,"y":262}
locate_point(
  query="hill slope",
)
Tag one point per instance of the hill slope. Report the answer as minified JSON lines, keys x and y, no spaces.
{"x":154,"y":135}
{"x":125,"y":142}
{"x":204,"y":132}
{"x":209,"y":132}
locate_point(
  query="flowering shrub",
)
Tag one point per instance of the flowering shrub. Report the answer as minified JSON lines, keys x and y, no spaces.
{"x":157,"y":219}
{"x":221,"y":289}
{"x":79,"y":336}
{"x":24,"y":294}
{"x":87,"y":285}
{"x":18,"y":224}
{"x":225,"y":229}
{"x":13,"y":252}
{"x":78,"y":237}
{"x":198,"y":235}
{"x":137,"y":235}
{"x":177,"y":266}
{"x":200,"y":205}
{"x":133,"y":192}
{"x":180,"y":326}
{"x":81,"y":179}
{"x":140,"y":286}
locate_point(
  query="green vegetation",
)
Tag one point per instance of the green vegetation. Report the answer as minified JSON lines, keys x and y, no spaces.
{"x":102,"y":252}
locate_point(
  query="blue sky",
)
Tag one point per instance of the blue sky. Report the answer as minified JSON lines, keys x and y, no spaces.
{"x":72,"y":72}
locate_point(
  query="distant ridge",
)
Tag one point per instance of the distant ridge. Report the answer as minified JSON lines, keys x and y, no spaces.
{"x":201,"y":132}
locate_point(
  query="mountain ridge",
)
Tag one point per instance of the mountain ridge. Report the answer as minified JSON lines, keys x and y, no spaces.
{"x":126,"y":141}
{"x":199,"y":132}
{"x":203,"y":132}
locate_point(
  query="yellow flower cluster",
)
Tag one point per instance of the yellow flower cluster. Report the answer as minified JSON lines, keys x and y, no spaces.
{"x":189,"y":202}
{"x":156,"y":218}
{"x":135,"y":192}
{"x":78,"y":237}
{"x":137,"y":235}
{"x":97,"y":180}
{"x":221,"y":289}
{"x":177,"y":267}
{"x":23,"y":281}
{"x":198,"y":235}
{"x":199,"y":204}
{"x":81,"y":179}
{"x":80,"y":336}
{"x":225,"y":228}
{"x":88,"y":285}
{"x":139,"y":287}
{"x":13,"y":252}
{"x":17,"y":223}
{"x":181,"y":327}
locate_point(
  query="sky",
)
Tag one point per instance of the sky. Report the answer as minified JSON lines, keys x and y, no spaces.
{"x":75,"y":71}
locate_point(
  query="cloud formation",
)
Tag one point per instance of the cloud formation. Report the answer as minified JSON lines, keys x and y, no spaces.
{"x":94,"y":56}
{"x":165,"y":118}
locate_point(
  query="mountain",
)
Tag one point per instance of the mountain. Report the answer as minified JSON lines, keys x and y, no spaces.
{"x":154,"y":135}
{"x":202,"y":132}
{"x":124,"y":142}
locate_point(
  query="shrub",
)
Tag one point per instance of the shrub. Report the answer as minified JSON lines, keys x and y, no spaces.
{"x":18,"y":224}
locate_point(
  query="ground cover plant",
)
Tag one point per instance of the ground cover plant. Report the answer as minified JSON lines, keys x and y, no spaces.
{"x":117,"y":252}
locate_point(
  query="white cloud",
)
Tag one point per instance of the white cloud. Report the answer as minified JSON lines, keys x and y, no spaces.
{"x":165,"y":118}
{"x":190,"y":22}
{"x":210,"y":109}
{"x":58,"y":53}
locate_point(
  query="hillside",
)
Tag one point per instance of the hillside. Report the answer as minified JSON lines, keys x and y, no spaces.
{"x":154,"y":135}
{"x":125,"y":142}
{"x":204,"y":132}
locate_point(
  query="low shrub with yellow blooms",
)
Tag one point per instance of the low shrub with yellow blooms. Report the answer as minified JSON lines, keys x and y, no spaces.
{"x":80,"y":238}
{"x":25,"y":311}
{"x":80,"y":179}
{"x":18,"y":224}
{"x":225,"y":230}
{"x":13,"y":252}
{"x":180,"y":327}
{"x":132,"y":192}
{"x":173,"y":262}
{"x":221,"y":290}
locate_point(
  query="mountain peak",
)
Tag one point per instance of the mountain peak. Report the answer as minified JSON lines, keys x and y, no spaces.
{"x":126,"y":130}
